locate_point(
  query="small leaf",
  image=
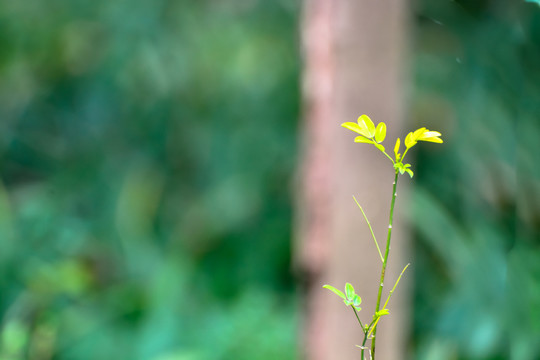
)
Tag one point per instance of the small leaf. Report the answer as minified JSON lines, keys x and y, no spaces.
{"x":367,"y":126}
{"x":380,"y":132}
{"x":433,"y":139}
{"x":429,"y":133}
{"x":432,"y":136}
{"x":396,"y":149}
{"x":357,"y":301}
{"x":409,"y":171}
{"x":336,"y":291}
{"x":349,"y":291}
{"x":382,"y":313}
{"x":417,"y":134}
{"x":362,"y":139}
{"x":409,"y":142}
{"x":353,"y":127}
{"x":379,"y":146}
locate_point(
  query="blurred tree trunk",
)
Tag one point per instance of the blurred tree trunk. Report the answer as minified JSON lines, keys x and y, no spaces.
{"x":354,"y":56}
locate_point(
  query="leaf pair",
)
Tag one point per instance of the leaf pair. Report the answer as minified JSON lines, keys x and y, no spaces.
{"x":349,"y":298}
{"x":422,"y":134}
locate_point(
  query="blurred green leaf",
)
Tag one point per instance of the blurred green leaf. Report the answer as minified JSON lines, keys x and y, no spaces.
{"x":357,"y":301}
{"x":336,"y":291}
{"x":14,"y":338}
{"x":131,"y":173}
{"x":349,"y":292}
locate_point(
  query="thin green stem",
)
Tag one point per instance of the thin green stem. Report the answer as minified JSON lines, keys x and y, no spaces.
{"x":388,"y":156}
{"x":384,"y":152}
{"x":395,"y":285}
{"x":370,"y":229}
{"x":405,"y":153}
{"x":363,"y":330}
{"x":358,"y":318}
{"x":385,"y":261}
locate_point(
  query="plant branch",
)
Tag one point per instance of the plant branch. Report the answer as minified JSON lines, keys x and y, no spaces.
{"x":394,"y":288}
{"x":358,"y":318}
{"x":388,"y":156}
{"x":385,"y":261}
{"x":370,"y":229}
{"x":366,"y":333}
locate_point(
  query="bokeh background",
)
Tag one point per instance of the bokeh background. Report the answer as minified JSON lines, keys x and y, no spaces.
{"x":146,"y":150}
{"x":147,"y":159}
{"x":476,"y":203}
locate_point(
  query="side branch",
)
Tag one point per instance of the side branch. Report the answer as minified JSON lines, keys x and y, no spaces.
{"x":370,"y":229}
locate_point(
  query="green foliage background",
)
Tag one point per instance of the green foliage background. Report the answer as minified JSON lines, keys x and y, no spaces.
{"x":146,"y":152}
{"x":477,"y":199}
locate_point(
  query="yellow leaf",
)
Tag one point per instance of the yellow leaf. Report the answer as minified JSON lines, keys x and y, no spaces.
{"x":362,"y":139}
{"x":367,"y":126}
{"x":353,"y":127}
{"x":409,"y":142}
{"x":380,"y":132}
{"x":433,"y":139}
{"x":432,"y":136}
{"x":418,"y":133}
{"x":430,"y":133}
{"x":396,"y":148}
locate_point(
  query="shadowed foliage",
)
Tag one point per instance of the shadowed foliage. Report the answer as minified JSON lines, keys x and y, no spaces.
{"x":146,"y":153}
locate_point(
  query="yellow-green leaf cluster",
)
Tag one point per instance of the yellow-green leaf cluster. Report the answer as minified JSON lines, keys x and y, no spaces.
{"x":422,"y":134}
{"x":371,"y":134}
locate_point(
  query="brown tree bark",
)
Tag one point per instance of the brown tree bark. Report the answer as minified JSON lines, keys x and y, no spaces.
{"x":353,"y":64}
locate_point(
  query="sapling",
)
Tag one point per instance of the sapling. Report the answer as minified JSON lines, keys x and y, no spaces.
{"x":368,"y":133}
